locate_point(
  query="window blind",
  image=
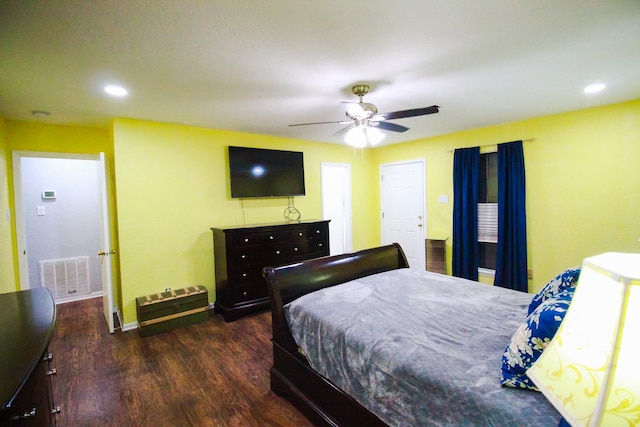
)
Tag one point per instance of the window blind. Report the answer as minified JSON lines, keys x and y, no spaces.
{"x":488,"y":222}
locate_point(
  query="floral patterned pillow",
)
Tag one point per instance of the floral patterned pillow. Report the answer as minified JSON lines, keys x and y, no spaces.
{"x":565,"y":280}
{"x":531,"y":338}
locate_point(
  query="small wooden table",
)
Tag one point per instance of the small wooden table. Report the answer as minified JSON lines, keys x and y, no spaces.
{"x":435,"y":253}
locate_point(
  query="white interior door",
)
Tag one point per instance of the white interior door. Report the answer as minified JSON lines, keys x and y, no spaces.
{"x":105,"y":242}
{"x":402,"y":198}
{"x":336,"y":205}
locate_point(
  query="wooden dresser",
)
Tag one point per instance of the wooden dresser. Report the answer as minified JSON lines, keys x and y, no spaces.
{"x":240,"y":253}
{"x":27,"y":319}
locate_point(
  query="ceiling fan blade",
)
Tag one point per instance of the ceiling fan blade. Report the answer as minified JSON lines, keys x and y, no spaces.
{"x":408,"y":113}
{"x":343,"y":130}
{"x":390,"y":126}
{"x":341,"y":122}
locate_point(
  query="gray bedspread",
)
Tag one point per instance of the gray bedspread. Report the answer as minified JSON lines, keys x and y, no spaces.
{"x":419,"y":348}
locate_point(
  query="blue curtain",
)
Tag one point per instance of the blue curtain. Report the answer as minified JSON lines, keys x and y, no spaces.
{"x":511,"y":259}
{"x":466,"y":177}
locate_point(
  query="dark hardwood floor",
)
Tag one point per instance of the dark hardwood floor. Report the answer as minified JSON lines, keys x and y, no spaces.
{"x":208,"y":374}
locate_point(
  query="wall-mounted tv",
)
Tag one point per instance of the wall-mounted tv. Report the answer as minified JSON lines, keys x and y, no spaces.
{"x":258,"y":172}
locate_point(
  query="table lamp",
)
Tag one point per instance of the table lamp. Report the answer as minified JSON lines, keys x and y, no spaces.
{"x":590,"y":371}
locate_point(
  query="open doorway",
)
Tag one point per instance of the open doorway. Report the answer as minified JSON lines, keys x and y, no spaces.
{"x":62,"y":226}
{"x":336,"y":205}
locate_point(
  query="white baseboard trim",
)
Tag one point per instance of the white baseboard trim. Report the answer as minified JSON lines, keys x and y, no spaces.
{"x":129,"y":326}
{"x":97,"y":294}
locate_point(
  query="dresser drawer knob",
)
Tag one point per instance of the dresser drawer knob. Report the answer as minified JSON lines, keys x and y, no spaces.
{"x":246,"y":240}
{"x":244,"y":294}
{"x":30,"y":414}
{"x":56,"y":410}
{"x":270,"y":237}
{"x":300,"y":234}
{"x":277,"y":252}
{"x":52,"y":372}
{"x":244,"y":274}
{"x":295,"y":249}
{"x":320,"y":244}
{"x":317,"y":231}
{"x":243,"y":256}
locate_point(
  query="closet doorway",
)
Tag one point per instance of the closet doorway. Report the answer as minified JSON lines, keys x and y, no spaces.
{"x":62,"y":226}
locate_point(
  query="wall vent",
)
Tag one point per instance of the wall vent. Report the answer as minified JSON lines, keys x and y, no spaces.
{"x":65,"y":277}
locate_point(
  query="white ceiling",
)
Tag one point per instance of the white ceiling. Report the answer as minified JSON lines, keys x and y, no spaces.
{"x":257,"y":66}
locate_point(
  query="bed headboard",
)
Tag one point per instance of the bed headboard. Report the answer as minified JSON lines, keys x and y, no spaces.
{"x":289,"y":282}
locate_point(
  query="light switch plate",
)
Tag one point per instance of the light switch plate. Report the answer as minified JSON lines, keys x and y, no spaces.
{"x":443,"y":198}
{"x":41,"y":211}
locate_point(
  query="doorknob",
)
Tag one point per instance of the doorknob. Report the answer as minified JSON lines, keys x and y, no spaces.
{"x":102,"y":254}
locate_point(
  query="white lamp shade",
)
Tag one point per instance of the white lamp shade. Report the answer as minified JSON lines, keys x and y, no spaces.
{"x":359,"y":136}
{"x":356,"y":137}
{"x":590,"y":371}
{"x":374,"y":135}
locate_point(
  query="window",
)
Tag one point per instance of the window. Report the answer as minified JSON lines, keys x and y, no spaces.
{"x":488,"y":213}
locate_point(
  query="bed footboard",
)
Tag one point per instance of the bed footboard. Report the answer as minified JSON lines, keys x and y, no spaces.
{"x":291,"y":375}
{"x":289,"y":282}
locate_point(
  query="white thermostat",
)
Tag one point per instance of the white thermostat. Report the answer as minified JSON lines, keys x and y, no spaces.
{"x":49,"y":194}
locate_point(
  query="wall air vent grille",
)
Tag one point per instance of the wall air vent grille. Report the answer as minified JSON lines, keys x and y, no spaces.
{"x":65,"y":277}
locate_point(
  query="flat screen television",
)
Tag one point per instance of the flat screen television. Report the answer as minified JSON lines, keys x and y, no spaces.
{"x":259,"y":172}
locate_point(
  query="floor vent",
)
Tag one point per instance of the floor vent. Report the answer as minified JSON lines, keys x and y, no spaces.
{"x":65,"y":277}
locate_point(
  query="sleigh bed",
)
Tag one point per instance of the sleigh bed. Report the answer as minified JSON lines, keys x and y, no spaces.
{"x":361,"y":340}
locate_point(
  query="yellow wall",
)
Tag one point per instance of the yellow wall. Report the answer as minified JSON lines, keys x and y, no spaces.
{"x":172,"y":187}
{"x":7,"y":272}
{"x":583,"y":182}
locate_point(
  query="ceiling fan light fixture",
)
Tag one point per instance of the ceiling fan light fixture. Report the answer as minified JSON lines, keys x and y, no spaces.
{"x":356,"y":137}
{"x":360,"y":136}
{"x":374,"y":135}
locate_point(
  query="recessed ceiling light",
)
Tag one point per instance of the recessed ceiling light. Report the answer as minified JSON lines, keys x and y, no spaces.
{"x":40,"y":113}
{"x":594,"y":88}
{"x":114,"y":90}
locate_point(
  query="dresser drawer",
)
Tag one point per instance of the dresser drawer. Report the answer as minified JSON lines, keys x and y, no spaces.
{"x":261,"y":238}
{"x":32,"y":406}
{"x":245,"y":274}
{"x":246,"y":293}
{"x":249,"y":258}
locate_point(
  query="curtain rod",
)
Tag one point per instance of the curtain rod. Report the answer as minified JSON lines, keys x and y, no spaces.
{"x":528,"y":140}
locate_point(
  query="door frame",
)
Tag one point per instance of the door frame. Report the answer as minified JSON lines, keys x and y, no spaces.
{"x":423,"y":163}
{"x":105,"y":229}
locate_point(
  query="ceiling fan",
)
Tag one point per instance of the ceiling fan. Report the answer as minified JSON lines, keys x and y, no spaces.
{"x":365,"y":122}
